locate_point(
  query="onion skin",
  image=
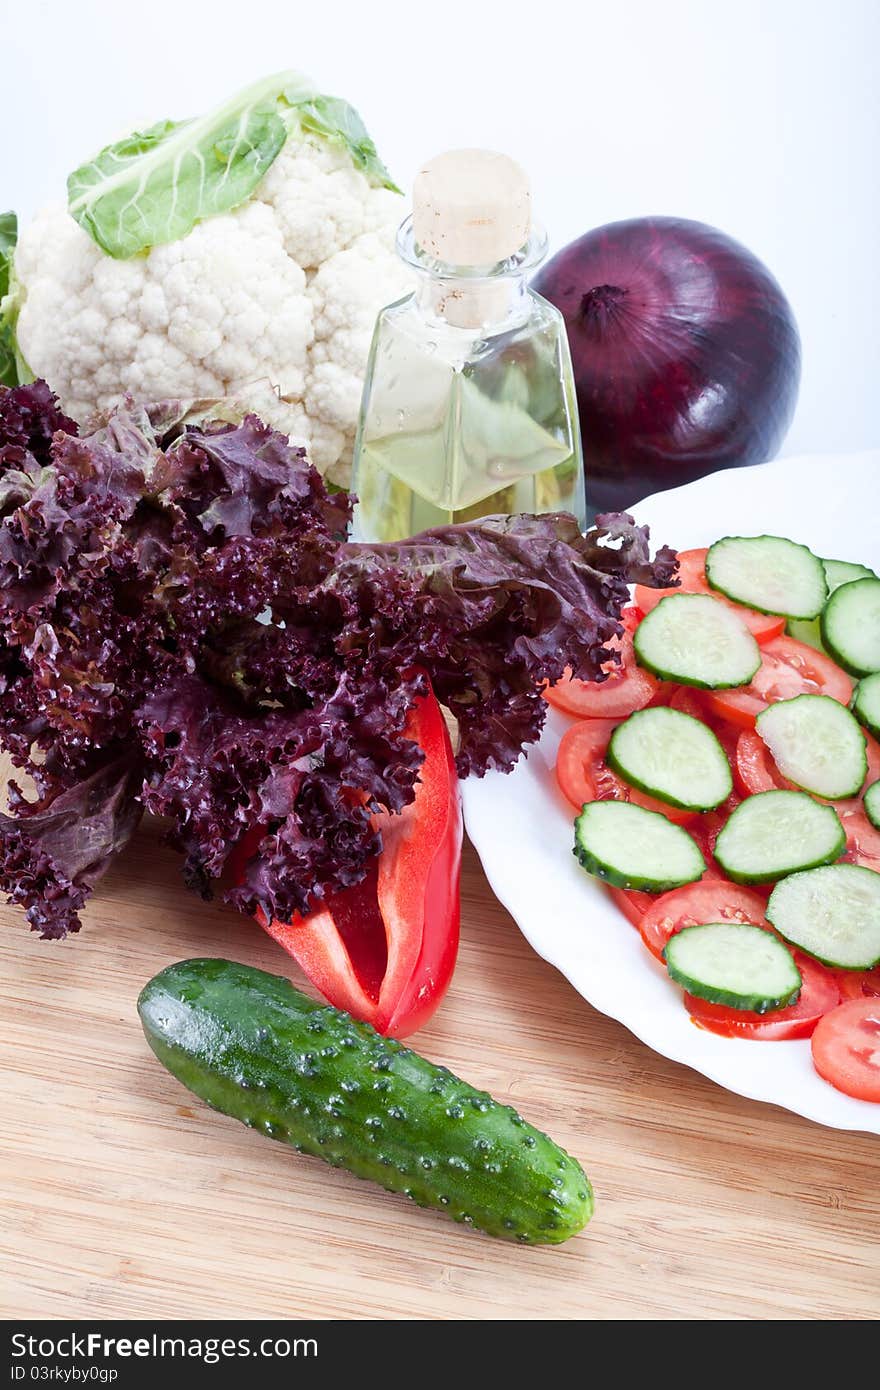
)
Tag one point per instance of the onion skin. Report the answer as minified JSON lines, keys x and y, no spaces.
{"x":685,"y":350}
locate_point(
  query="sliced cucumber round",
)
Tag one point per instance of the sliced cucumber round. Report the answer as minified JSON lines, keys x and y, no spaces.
{"x":832,"y":914}
{"x":769,"y":573}
{"x":733,"y":963}
{"x":633,"y":848}
{"x":777,"y":833}
{"x":693,"y":640}
{"x":807,"y":630}
{"x":817,"y":744}
{"x":866,"y":703}
{"x":872,"y":804}
{"x":851,"y":626}
{"x":673,"y":756}
{"x":839,"y":572}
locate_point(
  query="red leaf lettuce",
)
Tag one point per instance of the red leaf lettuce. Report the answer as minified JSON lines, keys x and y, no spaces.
{"x":185,"y":629}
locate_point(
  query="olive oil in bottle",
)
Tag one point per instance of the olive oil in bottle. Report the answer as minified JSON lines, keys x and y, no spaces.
{"x":469,"y":405}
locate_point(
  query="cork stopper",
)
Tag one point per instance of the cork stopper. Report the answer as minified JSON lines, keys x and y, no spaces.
{"x":471,"y":208}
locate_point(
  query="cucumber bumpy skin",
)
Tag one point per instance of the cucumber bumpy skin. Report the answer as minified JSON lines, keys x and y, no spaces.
{"x":308,"y":1075}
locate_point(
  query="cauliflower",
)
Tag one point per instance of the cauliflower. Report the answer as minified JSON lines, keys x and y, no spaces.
{"x":284,"y":287}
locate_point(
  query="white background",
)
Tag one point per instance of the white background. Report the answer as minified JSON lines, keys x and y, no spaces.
{"x":759,"y":116}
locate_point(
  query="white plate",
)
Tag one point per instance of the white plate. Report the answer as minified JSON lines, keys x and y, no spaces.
{"x":521,"y":826}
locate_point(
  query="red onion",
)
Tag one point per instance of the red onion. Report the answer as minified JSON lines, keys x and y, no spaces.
{"x":685,"y":350}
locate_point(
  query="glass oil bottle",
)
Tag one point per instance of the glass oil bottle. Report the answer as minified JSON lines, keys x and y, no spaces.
{"x":469,"y":405}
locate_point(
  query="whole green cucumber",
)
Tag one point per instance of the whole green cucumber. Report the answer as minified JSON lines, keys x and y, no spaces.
{"x":308,"y":1075}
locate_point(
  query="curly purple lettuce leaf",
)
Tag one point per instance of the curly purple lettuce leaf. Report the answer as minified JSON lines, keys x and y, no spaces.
{"x":249,"y":481}
{"x":178,"y":602}
{"x":30,"y":417}
{"x":312,"y":775}
{"x":499,"y":606}
{"x":50,"y":860}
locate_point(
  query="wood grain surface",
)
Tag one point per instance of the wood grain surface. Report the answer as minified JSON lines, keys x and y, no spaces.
{"x":122,"y":1196}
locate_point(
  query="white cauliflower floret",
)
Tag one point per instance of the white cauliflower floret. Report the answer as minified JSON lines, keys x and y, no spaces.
{"x":285,"y":288}
{"x":344,"y":323}
{"x":322,"y":203}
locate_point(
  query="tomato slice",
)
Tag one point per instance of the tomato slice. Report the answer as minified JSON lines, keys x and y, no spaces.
{"x":872,"y":751}
{"x":688,"y":701}
{"x":627,"y":688}
{"x":710,"y":900}
{"x":631,"y":902}
{"x":580,"y":762}
{"x":692,"y":573}
{"x":819,"y":995}
{"x":706,"y":829}
{"x":862,"y":838}
{"x":663,"y":694}
{"x":788,"y":668}
{"x":754,"y":770}
{"x":846,"y":1048}
{"x":739,"y":707}
{"x":859,"y":984}
{"x":583,"y":775}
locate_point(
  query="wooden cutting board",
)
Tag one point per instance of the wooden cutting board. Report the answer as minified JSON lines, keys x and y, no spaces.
{"x":123,"y":1196}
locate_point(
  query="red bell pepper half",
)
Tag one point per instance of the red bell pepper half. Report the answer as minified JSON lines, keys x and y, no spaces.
{"x":385,"y":949}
